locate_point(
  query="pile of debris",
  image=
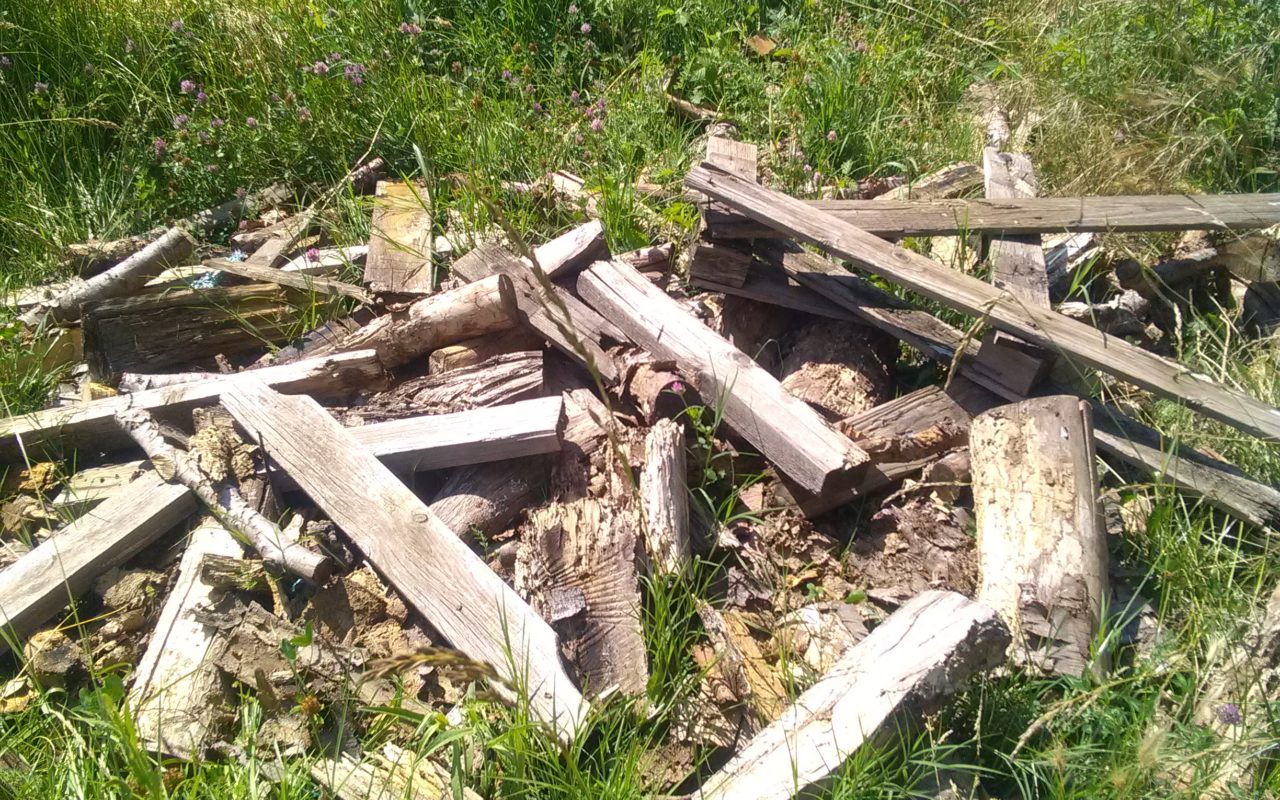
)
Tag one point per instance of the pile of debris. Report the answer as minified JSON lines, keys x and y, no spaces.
{"x":466,"y":479}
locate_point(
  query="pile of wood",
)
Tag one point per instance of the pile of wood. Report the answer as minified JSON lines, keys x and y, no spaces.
{"x":465,"y":474}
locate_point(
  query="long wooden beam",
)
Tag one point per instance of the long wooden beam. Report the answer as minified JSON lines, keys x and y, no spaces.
{"x":898,"y":218}
{"x":974,"y":297}
{"x":425,"y":561}
{"x":93,"y":424}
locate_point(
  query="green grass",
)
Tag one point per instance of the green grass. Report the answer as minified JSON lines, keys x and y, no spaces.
{"x":1130,"y":96}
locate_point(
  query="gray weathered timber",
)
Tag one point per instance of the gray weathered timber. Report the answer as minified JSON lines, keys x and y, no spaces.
{"x":399,"y":259}
{"x":427,"y":564}
{"x":296,"y":279}
{"x":895,"y":219}
{"x":786,"y":430}
{"x":1071,"y":339}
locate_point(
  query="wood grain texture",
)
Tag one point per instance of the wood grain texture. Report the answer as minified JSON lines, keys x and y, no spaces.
{"x":571,"y":251}
{"x":1017,"y":261}
{"x":896,"y":219}
{"x":577,"y":566}
{"x":66,"y":564}
{"x":154,"y":332}
{"x":787,"y":432}
{"x":950,"y":181}
{"x":1067,"y":337}
{"x":175,"y":685}
{"x":486,"y":498}
{"x":470,"y":352}
{"x":495,"y":381}
{"x":420,"y":557}
{"x":665,"y":498}
{"x":1042,"y":547}
{"x":93,"y":424}
{"x":399,"y":259}
{"x":920,"y":655}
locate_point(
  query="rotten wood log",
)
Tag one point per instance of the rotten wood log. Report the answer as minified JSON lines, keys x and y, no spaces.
{"x":924,"y":652}
{"x":175,"y":685}
{"x":665,"y":499}
{"x":1072,"y":340}
{"x":322,"y":338}
{"x":787,"y":432}
{"x":577,"y":566}
{"x":839,"y":368}
{"x":93,"y":424}
{"x":950,"y":181}
{"x":570,"y":252}
{"x":63,"y":566}
{"x":399,"y":260}
{"x":470,"y":352}
{"x":223,"y":500}
{"x":898,"y":219}
{"x":149,"y":333}
{"x":297,"y":279}
{"x":419,"y":556}
{"x":485,"y":498}
{"x":123,"y":279}
{"x":499,"y":380}
{"x":1041,"y":543}
{"x":646,"y":257}
{"x":486,"y":306}
{"x":1166,"y":275}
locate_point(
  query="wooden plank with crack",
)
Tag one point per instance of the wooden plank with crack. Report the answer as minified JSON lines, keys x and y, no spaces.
{"x":66,"y":564}
{"x":787,"y":431}
{"x":399,"y":259}
{"x":431,"y":568}
{"x":924,"y":652}
{"x":899,"y":218}
{"x":93,"y":424}
{"x":1071,"y":339}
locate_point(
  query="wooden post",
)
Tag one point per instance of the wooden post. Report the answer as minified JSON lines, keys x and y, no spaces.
{"x":919,"y":656}
{"x":974,"y":297}
{"x":1042,"y":547}
{"x":66,"y":564}
{"x":665,"y":498}
{"x":788,"y":432}
{"x":423,"y":560}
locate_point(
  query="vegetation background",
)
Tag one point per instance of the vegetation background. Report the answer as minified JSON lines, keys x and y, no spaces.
{"x":118,"y":115}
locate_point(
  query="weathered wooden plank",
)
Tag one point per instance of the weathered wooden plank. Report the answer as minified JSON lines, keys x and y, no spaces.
{"x":392,"y":774}
{"x":399,"y":259}
{"x":950,"y":181}
{"x":1042,"y":547}
{"x":430,"y":567}
{"x":66,"y":564}
{"x":967,"y":294}
{"x":920,"y":655}
{"x":787,"y":432}
{"x":93,"y":424}
{"x":1017,"y":262}
{"x":174,"y":686}
{"x":896,"y":219}
{"x":496,"y":381}
{"x":298,"y":279}
{"x":665,"y":498}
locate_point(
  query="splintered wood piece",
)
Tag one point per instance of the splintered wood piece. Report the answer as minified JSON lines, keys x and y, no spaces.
{"x":125,"y":278}
{"x":223,"y":500}
{"x":838,"y":368}
{"x":470,"y":352}
{"x":665,"y":498}
{"x":1042,"y":548}
{"x":898,"y":219}
{"x":499,"y":380}
{"x":175,"y":684}
{"x":399,"y":260}
{"x":63,"y":566}
{"x":576,"y":564}
{"x":423,"y":560}
{"x":487,"y":306}
{"x":924,"y":652}
{"x":393,"y":774}
{"x":972,"y":296}
{"x":562,"y":319}
{"x":93,"y":424}
{"x":950,"y":181}
{"x":149,"y":333}
{"x":297,"y":279}
{"x":526,"y":428}
{"x":787,"y":432}
{"x":485,"y":498}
